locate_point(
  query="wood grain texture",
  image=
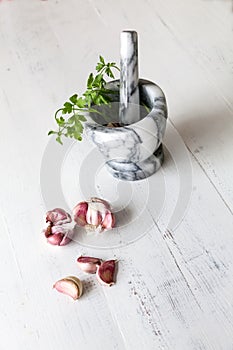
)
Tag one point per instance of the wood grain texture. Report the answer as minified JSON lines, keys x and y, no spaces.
{"x":174,"y":288}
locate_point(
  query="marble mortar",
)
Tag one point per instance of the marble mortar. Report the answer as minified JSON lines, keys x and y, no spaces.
{"x":131,"y":152}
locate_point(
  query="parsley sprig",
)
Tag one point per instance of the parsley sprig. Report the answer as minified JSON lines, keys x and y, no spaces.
{"x":71,"y":116}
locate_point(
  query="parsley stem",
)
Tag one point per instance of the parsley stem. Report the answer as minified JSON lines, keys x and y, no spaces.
{"x":60,"y":109}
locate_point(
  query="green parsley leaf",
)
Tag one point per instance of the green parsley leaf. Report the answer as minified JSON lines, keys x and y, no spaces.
{"x":81,"y":118}
{"x":81,"y":103}
{"x":70,"y":117}
{"x":58,"y":139}
{"x":68,"y":106}
{"x":102,"y":60}
{"x":73,"y":98}
{"x":90,"y":80}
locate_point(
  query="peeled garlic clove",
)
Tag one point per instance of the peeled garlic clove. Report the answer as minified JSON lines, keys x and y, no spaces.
{"x":58,"y":216}
{"x":88,"y":264}
{"x":105,"y":272}
{"x":71,"y":286}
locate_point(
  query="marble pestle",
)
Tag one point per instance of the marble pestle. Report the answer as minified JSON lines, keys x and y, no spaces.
{"x":129,"y":112}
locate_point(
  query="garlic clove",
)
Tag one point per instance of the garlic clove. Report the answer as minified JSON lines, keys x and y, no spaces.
{"x":65,"y":241}
{"x":93,"y":216}
{"x":88,"y":264}
{"x":71,"y":286}
{"x":109,"y":221}
{"x":60,"y":235}
{"x":55,"y":239}
{"x":105,"y":272}
{"x":58,"y":216}
{"x":79,"y":212}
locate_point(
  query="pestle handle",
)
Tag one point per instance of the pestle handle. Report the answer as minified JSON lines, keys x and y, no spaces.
{"x":129,"y":93}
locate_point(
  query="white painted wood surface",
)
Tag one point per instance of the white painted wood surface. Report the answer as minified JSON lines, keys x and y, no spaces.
{"x":174,"y":288}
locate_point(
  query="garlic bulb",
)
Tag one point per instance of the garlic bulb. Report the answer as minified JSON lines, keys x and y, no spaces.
{"x":94,"y":215}
{"x":58,"y":231}
{"x":71,"y":286}
{"x":105,"y":272}
{"x":88,"y":264}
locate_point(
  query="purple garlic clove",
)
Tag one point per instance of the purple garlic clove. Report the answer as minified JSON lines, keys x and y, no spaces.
{"x":88,"y":264}
{"x":106,"y":272}
{"x":79,"y":212}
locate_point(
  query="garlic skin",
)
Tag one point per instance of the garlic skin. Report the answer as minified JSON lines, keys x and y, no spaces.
{"x":100,"y":200}
{"x":71,"y":286}
{"x":58,"y":216}
{"x":47,"y":231}
{"x":106,"y":272}
{"x":88,"y":264}
{"x":94,"y":215}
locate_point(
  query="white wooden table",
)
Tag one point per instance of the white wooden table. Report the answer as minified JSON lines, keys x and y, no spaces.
{"x":174,"y":286}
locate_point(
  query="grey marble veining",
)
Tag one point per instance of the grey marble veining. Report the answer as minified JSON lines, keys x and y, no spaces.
{"x":135,"y":151}
{"x":132,"y":171}
{"x":129,"y":92}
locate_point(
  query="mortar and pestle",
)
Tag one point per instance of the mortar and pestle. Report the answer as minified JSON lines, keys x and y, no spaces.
{"x":131,"y":141}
